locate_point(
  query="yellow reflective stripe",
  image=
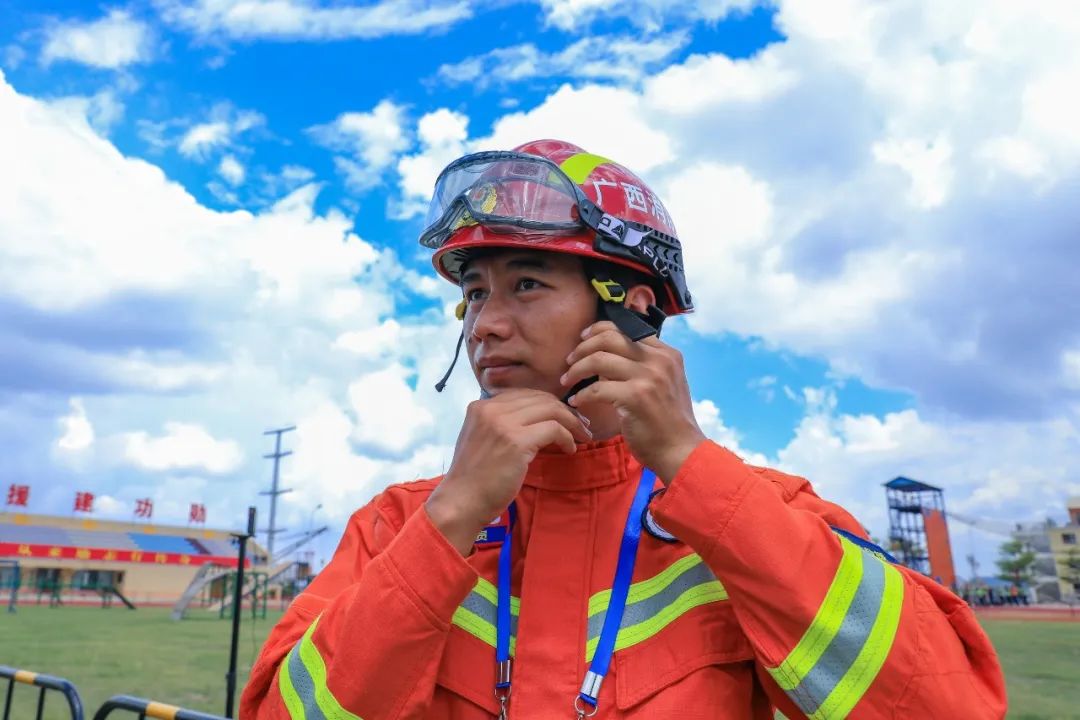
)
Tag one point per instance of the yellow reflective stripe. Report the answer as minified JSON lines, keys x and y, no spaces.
{"x":696,"y":596}
{"x":316,"y":667}
{"x":475,"y":625}
{"x":491,"y":594}
{"x":827,"y":621}
{"x":646,"y":588}
{"x":289,"y":696}
{"x":479,"y":628}
{"x":579,"y":167}
{"x":868,"y":663}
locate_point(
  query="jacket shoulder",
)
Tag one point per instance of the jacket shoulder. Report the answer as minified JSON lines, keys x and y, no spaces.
{"x":798,"y":493}
{"x":384,"y":515}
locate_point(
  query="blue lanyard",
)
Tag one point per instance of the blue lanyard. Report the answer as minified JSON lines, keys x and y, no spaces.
{"x":601,"y":662}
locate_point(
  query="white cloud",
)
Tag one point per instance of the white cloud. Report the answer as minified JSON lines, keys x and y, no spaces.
{"x":442,"y":135}
{"x":618,"y":58}
{"x":650,"y":14}
{"x":927,"y":165}
{"x":225,"y":125}
{"x":603,"y":120}
{"x":1012,"y":470}
{"x":712,"y":424}
{"x":183,"y":446}
{"x":202,"y":138}
{"x":706,"y":82}
{"x":111,"y":42}
{"x":765,"y":386}
{"x":401,"y":420}
{"x":308,"y":20}
{"x":232,"y":170}
{"x":296,"y":173}
{"x":373,"y":341}
{"x":78,"y":432}
{"x":1070,"y":366}
{"x":108,"y":506}
{"x":159,"y":373}
{"x":373,"y":141}
{"x":103,"y":110}
{"x":13,"y":56}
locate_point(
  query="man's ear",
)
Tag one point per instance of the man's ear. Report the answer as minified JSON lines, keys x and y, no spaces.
{"x":639,"y":298}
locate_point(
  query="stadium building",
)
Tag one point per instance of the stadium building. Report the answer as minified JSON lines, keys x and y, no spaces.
{"x":80,"y":560}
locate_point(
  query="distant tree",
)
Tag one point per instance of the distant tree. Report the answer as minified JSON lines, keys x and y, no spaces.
{"x":1015,"y":562}
{"x":1069,"y":568}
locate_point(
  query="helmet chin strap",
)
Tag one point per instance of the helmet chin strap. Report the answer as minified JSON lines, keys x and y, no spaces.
{"x":459,"y":313}
{"x":610,"y":306}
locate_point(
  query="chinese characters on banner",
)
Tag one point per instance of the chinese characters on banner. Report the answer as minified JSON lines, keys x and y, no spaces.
{"x":18,"y":495}
{"x":84,"y":502}
{"x":144,"y":508}
{"x":197,"y":513}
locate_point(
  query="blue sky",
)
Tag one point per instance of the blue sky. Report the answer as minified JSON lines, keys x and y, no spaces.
{"x":214,"y":211}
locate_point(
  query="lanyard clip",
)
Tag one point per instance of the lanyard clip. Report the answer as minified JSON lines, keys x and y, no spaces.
{"x":581,"y":711}
{"x":502,"y":686}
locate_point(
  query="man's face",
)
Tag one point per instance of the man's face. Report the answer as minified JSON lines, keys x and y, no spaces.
{"x":526,"y":310}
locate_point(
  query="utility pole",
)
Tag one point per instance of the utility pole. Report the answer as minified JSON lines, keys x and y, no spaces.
{"x":238,"y":599}
{"x":274,"y":490}
{"x":974,"y":565}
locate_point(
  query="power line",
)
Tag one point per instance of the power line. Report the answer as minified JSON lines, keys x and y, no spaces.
{"x":274,"y":490}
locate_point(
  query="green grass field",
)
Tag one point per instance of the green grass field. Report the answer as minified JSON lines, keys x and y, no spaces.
{"x":108,"y":652}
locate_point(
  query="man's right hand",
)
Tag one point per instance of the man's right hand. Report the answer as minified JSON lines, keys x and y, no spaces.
{"x":500,"y":437}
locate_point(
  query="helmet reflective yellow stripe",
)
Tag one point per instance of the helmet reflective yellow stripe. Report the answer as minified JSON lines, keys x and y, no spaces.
{"x":579,"y":167}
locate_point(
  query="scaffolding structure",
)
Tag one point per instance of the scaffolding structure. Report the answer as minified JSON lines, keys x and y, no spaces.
{"x":909,"y":500}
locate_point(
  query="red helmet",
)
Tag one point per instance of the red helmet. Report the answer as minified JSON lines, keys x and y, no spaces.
{"x":554,"y":196}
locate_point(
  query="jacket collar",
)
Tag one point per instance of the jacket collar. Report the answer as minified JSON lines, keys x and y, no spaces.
{"x":594,"y":465}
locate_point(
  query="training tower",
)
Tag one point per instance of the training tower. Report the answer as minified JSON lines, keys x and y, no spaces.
{"x":918,"y":532}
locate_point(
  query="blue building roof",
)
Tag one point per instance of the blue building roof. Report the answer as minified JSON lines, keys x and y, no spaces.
{"x":907,"y":484}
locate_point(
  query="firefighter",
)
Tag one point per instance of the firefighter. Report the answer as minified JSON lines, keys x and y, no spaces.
{"x":589,"y":553}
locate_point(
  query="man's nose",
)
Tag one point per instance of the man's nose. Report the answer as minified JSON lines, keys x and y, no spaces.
{"x":493,"y":318}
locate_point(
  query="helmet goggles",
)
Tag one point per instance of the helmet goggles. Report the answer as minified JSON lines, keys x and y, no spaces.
{"x":518,"y":193}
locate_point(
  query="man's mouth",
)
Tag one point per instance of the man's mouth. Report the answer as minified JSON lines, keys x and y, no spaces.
{"x":495,"y":363}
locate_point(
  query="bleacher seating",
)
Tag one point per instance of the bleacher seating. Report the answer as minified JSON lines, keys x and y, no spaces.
{"x":33,"y":535}
{"x":164,"y":543}
{"x":221,"y":548}
{"x":101,"y":539}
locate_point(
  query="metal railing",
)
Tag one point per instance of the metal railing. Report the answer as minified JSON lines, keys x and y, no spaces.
{"x":150,"y":709}
{"x":45,"y":683}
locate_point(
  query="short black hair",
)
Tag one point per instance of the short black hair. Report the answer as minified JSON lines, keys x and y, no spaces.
{"x":626,"y":276}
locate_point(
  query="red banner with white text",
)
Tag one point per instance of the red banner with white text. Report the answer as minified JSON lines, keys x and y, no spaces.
{"x":60,"y":552}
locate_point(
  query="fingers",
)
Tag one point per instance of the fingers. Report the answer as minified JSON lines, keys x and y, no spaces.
{"x":519,"y":407}
{"x":605,"y":364}
{"x":549,"y":408}
{"x":607,"y":352}
{"x":550,"y":432}
{"x":616,"y":392}
{"x":604,"y":336}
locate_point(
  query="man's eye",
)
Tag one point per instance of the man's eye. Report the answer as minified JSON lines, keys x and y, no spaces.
{"x":528,"y":284}
{"x":474,"y":294}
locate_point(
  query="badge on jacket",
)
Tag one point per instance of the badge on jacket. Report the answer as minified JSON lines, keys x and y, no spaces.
{"x":493,"y":533}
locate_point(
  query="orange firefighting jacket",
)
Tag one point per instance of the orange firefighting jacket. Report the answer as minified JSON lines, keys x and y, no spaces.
{"x":760,"y":604}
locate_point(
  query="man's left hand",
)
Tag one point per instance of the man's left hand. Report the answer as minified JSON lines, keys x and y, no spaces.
{"x":646,"y":382}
